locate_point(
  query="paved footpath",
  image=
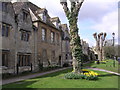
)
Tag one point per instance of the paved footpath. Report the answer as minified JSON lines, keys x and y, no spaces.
{"x":104,"y":70}
{"x":16,"y":79}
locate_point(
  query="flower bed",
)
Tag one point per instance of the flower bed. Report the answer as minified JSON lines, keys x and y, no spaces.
{"x":88,"y":75}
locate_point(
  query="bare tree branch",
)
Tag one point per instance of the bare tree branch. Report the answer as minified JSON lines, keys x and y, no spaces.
{"x":78,"y":6}
{"x":73,"y":9}
{"x":66,"y":9}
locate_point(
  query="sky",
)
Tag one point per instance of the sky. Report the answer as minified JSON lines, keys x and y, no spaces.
{"x":94,"y":16}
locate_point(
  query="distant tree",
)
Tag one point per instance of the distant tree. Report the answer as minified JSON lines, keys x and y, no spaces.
{"x":110,"y":51}
{"x":100,"y":42}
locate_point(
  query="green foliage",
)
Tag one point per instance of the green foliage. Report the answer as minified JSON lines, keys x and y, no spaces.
{"x":77,"y":52}
{"x":91,"y":77}
{"x":75,"y":42}
{"x":66,"y":65}
{"x":72,"y":75}
{"x":40,"y":66}
{"x":109,"y":51}
{"x":88,"y":75}
{"x":85,"y":58}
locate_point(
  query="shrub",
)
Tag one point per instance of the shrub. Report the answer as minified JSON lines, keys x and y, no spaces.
{"x":91,"y":77}
{"x":53,"y":66}
{"x":40,"y":66}
{"x":5,"y":75}
{"x":65,"y":65}
{"x":72,"y":75}
{"x":88,"y":75}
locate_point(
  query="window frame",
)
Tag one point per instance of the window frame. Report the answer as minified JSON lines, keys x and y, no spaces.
{"x":24,"y":59}
{"x":25,"y":15}
{"x":5,"y":61}
{"x":44,"y":36}
{"x":6,"y":30}
{"x":53,"y":54}
{"x":25,"y":35}
{"x":52,"y":37}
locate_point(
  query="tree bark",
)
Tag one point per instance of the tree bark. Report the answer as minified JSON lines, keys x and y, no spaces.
{"x":75,"y":43}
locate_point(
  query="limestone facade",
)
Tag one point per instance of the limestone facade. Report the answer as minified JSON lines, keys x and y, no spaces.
{"x":30,"y":37}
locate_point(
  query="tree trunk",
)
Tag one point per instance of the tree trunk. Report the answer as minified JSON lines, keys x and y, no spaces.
{"x":75,"y":47}
{"x":99,"y":55}
{"x":75,"y":43}
{"x":103,"y":51}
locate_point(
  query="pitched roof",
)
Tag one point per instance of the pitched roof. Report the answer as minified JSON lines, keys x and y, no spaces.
{"x":64,"y":26}
{"x":55,"y":19}
{"x":18,"y":6}
{"x":36,"y":11}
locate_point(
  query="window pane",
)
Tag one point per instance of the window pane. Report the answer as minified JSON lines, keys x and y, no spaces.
{"x":4,"y":59}
{"x":25,"y":16}
{"x":25,"y":36}
{"x":3,"y":30}
{"x":52,"y":37}
{"x":43,"y":34}
{"x":44,"y":18}
{"x":28,"y":60}
{"x":7,"y":31}
{"x":19,"y":59}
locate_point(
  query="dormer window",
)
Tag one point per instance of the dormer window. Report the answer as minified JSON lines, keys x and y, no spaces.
{"x":43,"y":17}
{"x":56,"y":24}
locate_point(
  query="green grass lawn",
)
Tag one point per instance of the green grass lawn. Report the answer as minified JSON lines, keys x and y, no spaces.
{"x":108,"y":66}
{"x":56,"y":80}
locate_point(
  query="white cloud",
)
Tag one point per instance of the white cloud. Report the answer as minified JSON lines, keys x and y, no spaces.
{"x":102,"y":12}
{"x":96,"y":9}
{"x":102,"y":0}
{"x":108,"y":24}
{"x":91,"y":43}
